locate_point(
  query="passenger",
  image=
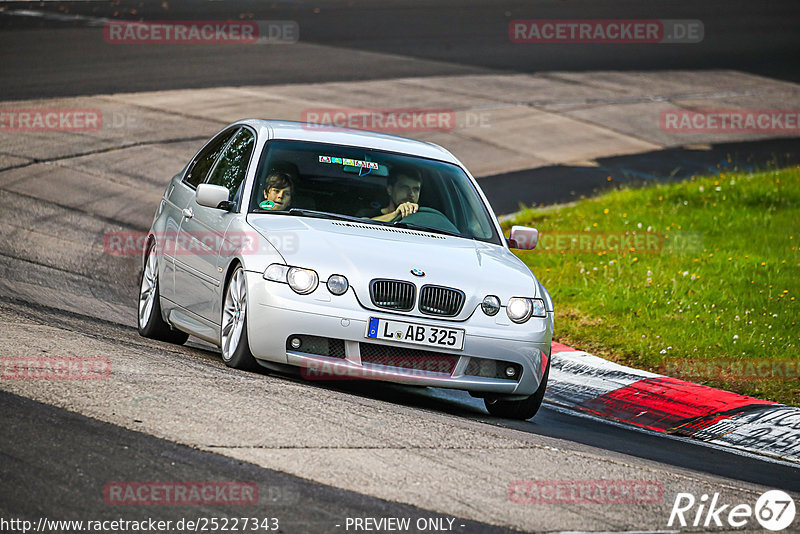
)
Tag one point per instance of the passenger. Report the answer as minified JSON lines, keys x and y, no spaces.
{"x":403,"y":186}
{"x":277,"y":191}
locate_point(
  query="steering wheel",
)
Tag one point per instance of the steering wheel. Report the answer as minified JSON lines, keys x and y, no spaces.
{"x":433,"y":218}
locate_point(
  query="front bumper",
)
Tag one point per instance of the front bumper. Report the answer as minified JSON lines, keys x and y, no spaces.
{"x":275,"y":313}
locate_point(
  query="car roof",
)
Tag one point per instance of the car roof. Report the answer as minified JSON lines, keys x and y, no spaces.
{"x":302,"y":131}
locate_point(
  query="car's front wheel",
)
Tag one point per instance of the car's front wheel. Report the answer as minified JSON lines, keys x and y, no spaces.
{"x":233,"y":337}
{"x":151,"y":324}
{"x":522,"y":409}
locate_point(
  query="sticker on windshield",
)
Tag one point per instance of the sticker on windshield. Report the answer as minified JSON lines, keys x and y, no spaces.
{"x":349,"y":162}
{"x":267,"y":205}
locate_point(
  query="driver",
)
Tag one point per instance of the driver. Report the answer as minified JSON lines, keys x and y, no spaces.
{"x":277,"y":191}
{"x":403,"y":186}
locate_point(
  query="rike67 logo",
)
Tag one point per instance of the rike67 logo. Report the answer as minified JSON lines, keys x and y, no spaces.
{"x":774,"y":510}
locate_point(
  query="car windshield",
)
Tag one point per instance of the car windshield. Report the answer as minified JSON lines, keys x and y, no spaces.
{"x":324,"y":180}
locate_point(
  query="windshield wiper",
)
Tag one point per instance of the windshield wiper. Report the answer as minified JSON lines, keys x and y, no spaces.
{"x":412,"y":226}
{"x":328,"y":215}
{"x":340,"y":217}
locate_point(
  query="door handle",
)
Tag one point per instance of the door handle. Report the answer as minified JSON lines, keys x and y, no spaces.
{"x":188,"y":213}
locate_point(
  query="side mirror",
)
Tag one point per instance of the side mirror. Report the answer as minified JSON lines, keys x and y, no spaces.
{"x":211,"y":196}
{"x":523,"y":238}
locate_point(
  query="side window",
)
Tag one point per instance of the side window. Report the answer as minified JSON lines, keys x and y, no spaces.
{"x":232,"y":166}
{"x":204,"y":161}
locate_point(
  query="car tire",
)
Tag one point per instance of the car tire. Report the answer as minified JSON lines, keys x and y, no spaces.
{"x":522,"y":409}
{"x":233,"y":332}
{"x":150,"y":322}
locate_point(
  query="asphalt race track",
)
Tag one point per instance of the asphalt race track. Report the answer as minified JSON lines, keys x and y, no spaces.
{"x":319,"y":453}
{"x":350,"y":40}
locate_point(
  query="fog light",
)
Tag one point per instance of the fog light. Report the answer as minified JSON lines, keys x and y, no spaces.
{"x":295,"y":342}
{"x":511,"y":372}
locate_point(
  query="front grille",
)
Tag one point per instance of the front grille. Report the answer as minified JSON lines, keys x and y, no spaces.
{"x":321,"y":346}
{"x":441,"y":301}
{"x":406,"y":358}
{"x":392,"y":294}
{"x":492,"y":368}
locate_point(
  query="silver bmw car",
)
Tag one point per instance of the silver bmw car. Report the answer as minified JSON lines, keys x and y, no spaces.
{"x":349,"y":255}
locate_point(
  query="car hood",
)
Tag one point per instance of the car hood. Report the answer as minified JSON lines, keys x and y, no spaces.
{"x":363,"y":252}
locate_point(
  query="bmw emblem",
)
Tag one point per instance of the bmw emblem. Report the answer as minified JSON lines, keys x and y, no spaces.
{"x":417,"y":272}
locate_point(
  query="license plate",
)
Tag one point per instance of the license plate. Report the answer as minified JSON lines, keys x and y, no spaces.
{"x":416,"y":334}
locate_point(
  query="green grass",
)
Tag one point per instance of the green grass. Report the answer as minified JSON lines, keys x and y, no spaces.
{"x":723,"y":285}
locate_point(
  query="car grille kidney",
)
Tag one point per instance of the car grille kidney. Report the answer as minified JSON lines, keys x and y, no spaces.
{"x":441,"y":301}
{"x":393,"y":294}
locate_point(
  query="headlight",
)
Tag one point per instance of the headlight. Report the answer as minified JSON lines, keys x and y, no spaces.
{"x":519,"y":309}
{"x":302,"y":281}
{"x":490,"y":305}
{"x":538,"y":308}
{"x":337,"y":284}
{"x":276,"y":272}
